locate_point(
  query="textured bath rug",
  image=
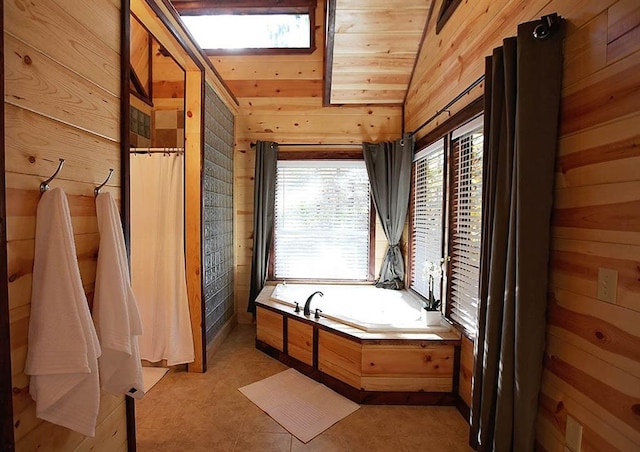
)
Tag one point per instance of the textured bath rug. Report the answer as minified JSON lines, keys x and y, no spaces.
{"x":301,"y":405}
{"x":152,"y":375}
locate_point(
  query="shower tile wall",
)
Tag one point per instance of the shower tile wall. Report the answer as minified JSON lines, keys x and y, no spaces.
{"x":168,"y":128}
{"x":218,"y":213}
{"x":139,"y":128}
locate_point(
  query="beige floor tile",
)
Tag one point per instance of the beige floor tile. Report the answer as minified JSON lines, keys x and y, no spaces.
{"x":256,"y":420}
{"x":263,"y":442}
{"x":207,"y":412}
{"x":329,"y":441}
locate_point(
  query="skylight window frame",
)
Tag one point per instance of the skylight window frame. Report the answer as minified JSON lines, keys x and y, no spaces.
{"x":254,"y":7}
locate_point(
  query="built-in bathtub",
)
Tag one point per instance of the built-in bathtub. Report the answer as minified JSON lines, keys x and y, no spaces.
{"x":365,"y":307}
{"x":371,"y":345}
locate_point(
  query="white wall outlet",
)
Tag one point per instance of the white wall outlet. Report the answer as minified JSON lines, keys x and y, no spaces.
{"x":607,"y":285}
{"x":573,"y":435}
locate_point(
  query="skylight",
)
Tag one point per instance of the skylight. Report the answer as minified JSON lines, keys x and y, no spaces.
{"x":250,"y":31}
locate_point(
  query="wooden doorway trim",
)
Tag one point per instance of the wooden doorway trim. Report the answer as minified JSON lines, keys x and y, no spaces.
{"x":6,"y":400}
{"x":125,"y":204}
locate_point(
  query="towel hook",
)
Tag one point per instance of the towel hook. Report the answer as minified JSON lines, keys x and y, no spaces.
{"x":97,"y":189}
{"x":44,"y":186}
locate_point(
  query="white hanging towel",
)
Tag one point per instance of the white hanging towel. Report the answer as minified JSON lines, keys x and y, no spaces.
{"x":63,"y":348}
{"x":115,"y":310}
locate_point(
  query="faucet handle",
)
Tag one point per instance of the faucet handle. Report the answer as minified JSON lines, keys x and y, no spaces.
{"x":297,"y":307}
{"x":318,"y":311}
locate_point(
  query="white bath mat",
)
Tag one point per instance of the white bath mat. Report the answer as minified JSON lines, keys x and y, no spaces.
{"x":152,"y":375}
{"x":301,"y":405}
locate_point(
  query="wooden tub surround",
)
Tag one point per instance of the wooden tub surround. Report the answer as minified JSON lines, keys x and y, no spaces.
{"x":370,"y":368}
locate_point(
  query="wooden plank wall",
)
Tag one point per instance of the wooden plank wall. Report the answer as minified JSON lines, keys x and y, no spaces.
{"x":281,"y":100}
{"x":139,"y":53}
{"x":168,"y":80}
{"x":592,"y":364}
{"x":62,"y":100}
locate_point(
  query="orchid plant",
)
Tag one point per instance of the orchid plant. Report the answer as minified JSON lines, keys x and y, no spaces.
{"x":432,"y":271}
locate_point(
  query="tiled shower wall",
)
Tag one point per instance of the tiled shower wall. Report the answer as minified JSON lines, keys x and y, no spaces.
{"x":168,"y":129}
{"x":139,"y":128}
{"x":218,"y":213}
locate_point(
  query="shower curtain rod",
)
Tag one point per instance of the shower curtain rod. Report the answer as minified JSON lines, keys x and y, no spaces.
{"x":466,"y":91}
{"x":299,"y":145}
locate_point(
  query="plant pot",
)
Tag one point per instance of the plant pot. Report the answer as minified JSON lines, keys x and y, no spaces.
{"x":432,"y":318}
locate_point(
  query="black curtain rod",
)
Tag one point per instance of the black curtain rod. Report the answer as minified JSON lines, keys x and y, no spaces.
{"x":541,"y":31}
{"x":299,"y":145}
{"x":158,"y":152}
{"x":446,"y":107}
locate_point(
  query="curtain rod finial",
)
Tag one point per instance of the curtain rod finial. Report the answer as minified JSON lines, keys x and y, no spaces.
{"x":543,"y":30}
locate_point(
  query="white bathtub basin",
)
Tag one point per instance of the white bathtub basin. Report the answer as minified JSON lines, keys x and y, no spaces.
{"x":361,"y":306}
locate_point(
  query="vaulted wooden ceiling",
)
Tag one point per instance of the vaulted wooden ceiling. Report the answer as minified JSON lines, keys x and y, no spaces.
{"x":375,"y":44}
{"x":371,"y":45}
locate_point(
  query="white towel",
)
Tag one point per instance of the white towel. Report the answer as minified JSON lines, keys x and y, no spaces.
{"x":63,"y":351}
{"x":115,"y":311}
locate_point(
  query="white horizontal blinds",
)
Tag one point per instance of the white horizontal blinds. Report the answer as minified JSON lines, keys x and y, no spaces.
{"x":322,"y":212}
{"x":426,"y":234}
{"x":466,"y":224}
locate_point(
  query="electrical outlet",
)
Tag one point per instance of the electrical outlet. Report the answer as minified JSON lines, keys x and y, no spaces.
{"x":607,"y":285}
{"x":573,"y":435}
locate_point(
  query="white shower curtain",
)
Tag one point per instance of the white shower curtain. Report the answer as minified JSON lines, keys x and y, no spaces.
{"x":157,"y":257}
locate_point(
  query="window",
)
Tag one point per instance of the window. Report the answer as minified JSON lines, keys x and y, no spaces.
{"x":250,"y":31}
{"x":446,"y":10}
{"x":322,"y":220}
{"x":466,"y":224}
{"x":447,"y":221}
{"x":251,"y":26}
{"x":427,"y":218}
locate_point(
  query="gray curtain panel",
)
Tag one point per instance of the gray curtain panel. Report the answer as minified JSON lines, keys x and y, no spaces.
{"x":264,"y":194}
{"x":522,"y":98}
{"x":389,"y":169}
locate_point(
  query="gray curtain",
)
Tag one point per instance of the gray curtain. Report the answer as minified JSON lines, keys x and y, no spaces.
{"x":389,"y":169}
{"x":264,"y":194}
{"x":522,"y":97}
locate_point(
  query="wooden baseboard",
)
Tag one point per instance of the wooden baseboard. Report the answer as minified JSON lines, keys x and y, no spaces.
{"x":464,"y":410}
{"x":359,"y":395}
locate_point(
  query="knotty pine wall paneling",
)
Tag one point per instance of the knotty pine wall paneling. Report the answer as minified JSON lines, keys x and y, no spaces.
{"x":592,"y":364}
{"x":62,"y":100}
{"x":281,"y":100}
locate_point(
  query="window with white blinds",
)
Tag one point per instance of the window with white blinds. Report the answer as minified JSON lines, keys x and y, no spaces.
{"x":466,"y":224}
{"x":322,"y":220}
{"x":427,"y":218}
{"x":446,"y":206}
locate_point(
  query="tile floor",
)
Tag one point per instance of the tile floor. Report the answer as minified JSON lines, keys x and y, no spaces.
{"x":206,"y":412}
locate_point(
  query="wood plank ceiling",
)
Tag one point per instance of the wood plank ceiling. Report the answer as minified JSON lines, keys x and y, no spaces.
{"x":375,"y":45}
{"x":370,"y":49}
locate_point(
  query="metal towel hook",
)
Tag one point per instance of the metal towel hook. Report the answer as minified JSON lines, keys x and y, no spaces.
{"x":97,"y":189}
{"x":543,"y":30}
{"x":44,"y":186}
